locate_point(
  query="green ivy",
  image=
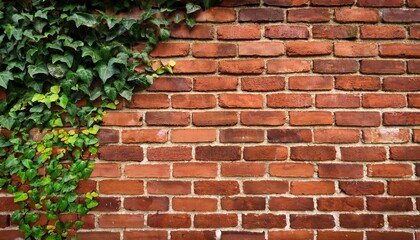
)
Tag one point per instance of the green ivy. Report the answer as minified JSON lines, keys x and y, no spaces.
{"x":62,"y":64}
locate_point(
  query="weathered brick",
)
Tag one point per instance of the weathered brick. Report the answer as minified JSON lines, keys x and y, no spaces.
{"x":310,"y":15}
{"x":261,"y":49}
{"x":261,"y":15}
{"x":311,"y":83}
{"x":335,"y":31}
{"x":364,"y":15}
{"x":210,"y":50}
{"x":239,"y":32}
{"x":286,"y":32}
{"x":261,"y":153}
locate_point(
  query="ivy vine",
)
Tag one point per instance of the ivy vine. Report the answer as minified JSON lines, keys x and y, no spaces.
{"x":62,"y":64}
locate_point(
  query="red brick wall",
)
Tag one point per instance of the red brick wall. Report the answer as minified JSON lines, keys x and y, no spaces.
{"x":285,"y":119}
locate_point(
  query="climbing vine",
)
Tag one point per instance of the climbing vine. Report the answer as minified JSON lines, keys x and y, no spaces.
{"x":62,"y":64}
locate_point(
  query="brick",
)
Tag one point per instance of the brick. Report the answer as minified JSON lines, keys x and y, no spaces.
{"x":358,"y":83}
{"x":386,"y":135}
{"x":167,"y":118}
{"x":215,"y":220}
{"x":243,"y":235}
{"x":125,"y":187}
{"x":362,"y":188}
{"x":239,"y":32}
{"x":169,"y":153}
{"x":170,"y":49}
{"x":265,"y":187}
{"x":332,"y":2}
{"x":291,"y":234}
{"x":199,"y":170}
{"x":144,"y":136}
{"x":261,"y":15}
{"x":263,"y":118}
{"x":404,"y":221}
{"x":109,"y":170}
{"x":97,"y":235}
{"x":266,"y":221}
{"x":108,"y":136}
{"x":402,"y":118}
{"x":345,"y":49}
{"x":195,"y":66}
{"x":145,"y":101}
{"x":363,"y":154}
{"x":216,"y":14}
{"x":241,"y":135}
{"x":384,"y":101}
{"x":364,"y":15}
{"x":401,"y":84}
{"x":388,"y":235}
{"x":216,"y":187}
{"x":361,"y":119}
{"x":254,"y":66}
{"x":414,"y":100}
{"x":206,"y":84}
{"x":414,"y":32}
{"x":401,"y":16}
{"x":340,"y":204}
{"x":319,"y":221}
{"x":242,"y":169}
{"x":312,"y":187}
{"x":261,"y":49}
{"x":121,"y":153}
{"x":236,"y":3}
{"x":171,"y":84}
{"x":192,"y":235}
{"x":262,"y":84}
{"x":289,"y":135}
{"x":328,"y":135}
{"x":344,"y":235}
{"x":289,"y":100}
{"x":381,"y":3}
{"x":361,"y":220}
{"x":416,"y":137}
{"x":218,"y":153}
{"x":193,"y":101}
{"x":335,"y":66}
{"x":303,"y":48}
{"x":399,"y":50}
{"x":217,"y":118}
{"x":121,"y":221}
{"x":335,"y":31}
{"x":413,"y":66}
{"x":193,"y":135}
{"x":169,"y":220}
{"x":198,"y":32}
{"x":194,"y":204}
{"x":265,"y":153}
{"x":146,"y":203}
{"x":147,"y":171}
{"x":389,"y":170}
{"x":4,"y":221}
{"x":209,"y":50}
{"x":243,"y":203}
{"x":288,"y":66}
{"x":310,"y":118}
{"x":382,"y":67}
{"x":382,"y":32}
{"x":286,"y":3}
{"x":389,"y":204}
{"x":123,"y":119}
{"x":413,"y":3}
{"x":310,"y":83}
{"x":314,"y":153}
{"x":292,"y":170}
{"x":309,"y":15}
{"x":291,"y":204}
{"x":169,"y":187}
{"x":286,"y":32}
{"x":337,"y":101}
{"x":240,"y":101}
{"x":340,"y":170}
{"x":405,"y":153}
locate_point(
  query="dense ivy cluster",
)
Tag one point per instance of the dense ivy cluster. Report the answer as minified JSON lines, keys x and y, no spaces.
{"x":62,"y":63}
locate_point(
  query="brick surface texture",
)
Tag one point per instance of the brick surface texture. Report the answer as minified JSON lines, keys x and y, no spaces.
{"x":284,"y":119}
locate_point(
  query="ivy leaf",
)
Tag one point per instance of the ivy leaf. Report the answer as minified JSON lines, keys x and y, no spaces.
{"x":164,"y":34}
{"x":57,"y":70}
{"x":37,"y":69}
{"x":191,"y":8}
{"x":20,"y":196}
{"x":5,"y":77}
{"x":110,"y":91}
{"x":85,"y":74}
{"x":63,"y":101}
{"x":83,"y":19}
{"x":67,"y":58}
{"x":91,"y":204}
{"x":31,"y":174}
{"x":31,"y":217}
{"x":87,"y":51}
{"x":55,"y":89}
{"x":106,"y":71}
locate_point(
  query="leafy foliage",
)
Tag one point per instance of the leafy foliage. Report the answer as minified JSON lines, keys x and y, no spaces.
{"x":62,"y":63}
